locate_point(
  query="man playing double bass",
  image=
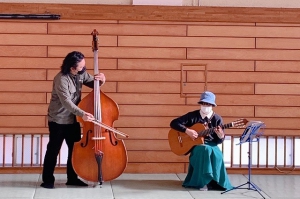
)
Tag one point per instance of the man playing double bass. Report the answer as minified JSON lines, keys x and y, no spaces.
{"x":62,"y":112}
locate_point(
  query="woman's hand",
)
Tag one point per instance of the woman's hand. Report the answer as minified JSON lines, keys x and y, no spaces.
{"x":220,"y":133}
{"x":192,"y":133}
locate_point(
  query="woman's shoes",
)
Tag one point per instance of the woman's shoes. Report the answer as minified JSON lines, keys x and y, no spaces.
{"x":214,"y":186}
{"x":204,"y":188}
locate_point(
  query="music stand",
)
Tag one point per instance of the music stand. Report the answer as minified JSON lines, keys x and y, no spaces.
{"x":251,"y":134}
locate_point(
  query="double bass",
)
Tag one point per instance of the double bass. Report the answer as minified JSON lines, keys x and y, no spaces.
{"x":99,"y":156}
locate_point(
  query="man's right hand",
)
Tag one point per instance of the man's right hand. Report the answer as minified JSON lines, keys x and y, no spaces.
{"x":192,"y":133}
{"x":88,"y":117}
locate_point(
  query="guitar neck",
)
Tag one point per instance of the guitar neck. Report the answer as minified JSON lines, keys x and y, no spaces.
{"x":211,"y":130}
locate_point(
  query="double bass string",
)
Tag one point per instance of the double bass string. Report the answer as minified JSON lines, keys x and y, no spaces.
{"x":109,"y":128}
{"x":97,"y":113}
{"x":97,"y":106}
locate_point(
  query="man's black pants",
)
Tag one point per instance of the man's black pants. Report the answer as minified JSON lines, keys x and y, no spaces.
{"x":58,"y":133}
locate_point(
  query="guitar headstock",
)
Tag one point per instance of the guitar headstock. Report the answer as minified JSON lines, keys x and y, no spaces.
{"x":240,"y":123}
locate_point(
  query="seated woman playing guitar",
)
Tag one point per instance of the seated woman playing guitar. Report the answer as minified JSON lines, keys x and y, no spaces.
{"x":206,"y":167}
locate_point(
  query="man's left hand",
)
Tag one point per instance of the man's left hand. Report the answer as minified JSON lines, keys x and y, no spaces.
{"x":100,"y":77}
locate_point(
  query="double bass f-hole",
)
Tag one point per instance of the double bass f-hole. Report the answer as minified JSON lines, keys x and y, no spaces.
{"x":110,"y":130}
{"x":114,"y":143}
{"x":87,"y":138}
{"x":93,"y":138}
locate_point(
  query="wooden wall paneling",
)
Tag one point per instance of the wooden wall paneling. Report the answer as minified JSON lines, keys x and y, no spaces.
{"x":30,"y":62}
{"x":163,"y":64}
{"x":243,"y":54}
{"x":283,"y":66}
{"x":23,"y":109}
{"x":27,"y":98}
{"x":50,"y":63}
{"x":277,"y":43}
{"x":142,"y":133}
{"x":53,"y":40}
{"x":277,"y":111}
{"x":278,"y":24}
{"x":22,"y":74}
{"x":9,"y":27}
{"x":192,"y":89}
{"x":149,"y":87}
{"x":283,"y":89}
{"x":26,"y":86}
{"x":255,"y":77}
{"x":141,"y":75}
{"x":256,"y":100}
{"x":143,"y":122}
{"x":23,"y":51}
{"x":154,"y":110}
{"x":186,"y":22}
{"x":147,"y":98}
{"x":109,"y":88}
{"x":155,"y":156}
{"x":176,"y":110}
{"x":157,"y":13}
{"x":204,"y":42}
{"x":236,"y":111}
{"x":244,"y":31}
{"x":117,"y":29}
{"x":22,"y":121}
{"x":24,"y":130}
{"x":121,"y":52}
{"x":229,"y":65}
{"x":147,"y":145}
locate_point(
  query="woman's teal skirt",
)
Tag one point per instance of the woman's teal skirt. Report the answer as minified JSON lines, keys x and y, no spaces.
{"x":206,"y":164}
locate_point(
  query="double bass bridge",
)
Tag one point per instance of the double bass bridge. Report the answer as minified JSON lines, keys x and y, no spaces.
{"x":98,"y":138}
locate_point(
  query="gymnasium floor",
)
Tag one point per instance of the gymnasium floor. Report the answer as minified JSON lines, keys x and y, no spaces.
{"x":146,"y":186}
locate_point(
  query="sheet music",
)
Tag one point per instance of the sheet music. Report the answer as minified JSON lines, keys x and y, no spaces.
{"x":252,"y":130}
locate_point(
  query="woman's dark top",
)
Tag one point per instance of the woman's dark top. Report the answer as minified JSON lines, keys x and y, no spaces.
{"x":191,"y":118}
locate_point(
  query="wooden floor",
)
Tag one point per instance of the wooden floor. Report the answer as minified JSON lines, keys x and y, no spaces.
{"x":147,"y":186}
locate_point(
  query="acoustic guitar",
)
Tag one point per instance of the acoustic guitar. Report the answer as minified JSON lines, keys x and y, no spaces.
{"x":181,"y":143}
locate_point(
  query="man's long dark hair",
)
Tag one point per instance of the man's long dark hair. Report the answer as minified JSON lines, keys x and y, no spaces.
{"x":71,"y":60}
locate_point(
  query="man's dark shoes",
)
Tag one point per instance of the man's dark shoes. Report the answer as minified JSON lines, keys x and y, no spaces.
{"x":76,"y":182}
{"x":47,"y":185}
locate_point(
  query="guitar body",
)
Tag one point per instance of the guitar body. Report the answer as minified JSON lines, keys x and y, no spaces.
{"x":181,"y":144}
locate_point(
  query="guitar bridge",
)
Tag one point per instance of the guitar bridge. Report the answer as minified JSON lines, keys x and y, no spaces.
{"x":179,"y":139}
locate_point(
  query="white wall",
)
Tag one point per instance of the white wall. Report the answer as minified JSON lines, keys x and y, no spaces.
{"x":121,"y":2}
{"x":252,"y":3}
{"x":223,"y":3}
